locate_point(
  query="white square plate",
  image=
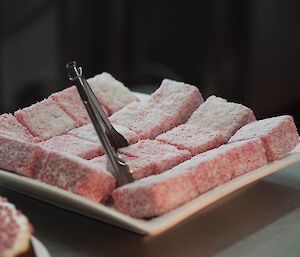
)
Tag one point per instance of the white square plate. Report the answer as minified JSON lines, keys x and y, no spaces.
{"x":76,"y":203}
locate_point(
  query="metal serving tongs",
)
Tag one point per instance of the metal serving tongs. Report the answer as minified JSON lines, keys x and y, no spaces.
{"x":111,"y":140}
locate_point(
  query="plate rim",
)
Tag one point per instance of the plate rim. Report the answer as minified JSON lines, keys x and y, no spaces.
{"x":39,"y":248}
{"x":154,"y":226}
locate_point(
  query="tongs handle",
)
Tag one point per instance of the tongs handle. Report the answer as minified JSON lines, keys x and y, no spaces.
{"x":115,"y":164}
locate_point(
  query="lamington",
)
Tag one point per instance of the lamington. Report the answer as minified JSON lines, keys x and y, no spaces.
{"x":191,"y":138}
{"x":218,"y":114}
{"x":111,"y":93}
{"x":88,"y":132}
{"x":76,"y":175}
{"x":278,"y":134}
{"x":21,"y":157}
{"x":9,"y":126}
{"x":148,"y":157}
{"x":169,"y":106}
{"x":69,"y":100}
{"x":158,"y":194}
{"x":45,"y":119}
{"x":73,"y":145}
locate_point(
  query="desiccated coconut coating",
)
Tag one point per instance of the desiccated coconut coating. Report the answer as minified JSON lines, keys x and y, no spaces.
{"x":9,"y":126}
{"x":161,"y":156}
{"x":45,"y":119}
{"x":63,"y":170}
{"x":147,"y":123}
{"x":189,"y":137}
{"x":139,"y":167}
{"x":22,"y":157}
{"x":169,"y":106}
{"x":111,"y":93}
{"x":142,"y":199}
{"x":148,"y":157}
{"x":178,"y":99}
{"x":244,"y":156}
{"x":279,"y":135}
{"x":73,"y":145}
{"x":158,"y":194}
{"x":15,"y":230}
{"x":218,"y":114}
{"x":88,"y":132}
{"x":296,"y":149}
{"x":76,"y":175}
{"x":69,"y":100}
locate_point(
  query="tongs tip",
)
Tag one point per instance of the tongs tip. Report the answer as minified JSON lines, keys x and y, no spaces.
{"x":73,"y":70}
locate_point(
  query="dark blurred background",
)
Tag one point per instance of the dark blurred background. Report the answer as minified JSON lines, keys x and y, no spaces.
{"x":245,"y":51}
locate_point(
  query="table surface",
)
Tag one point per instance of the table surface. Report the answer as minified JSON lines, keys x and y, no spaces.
{"x":261,"y":219}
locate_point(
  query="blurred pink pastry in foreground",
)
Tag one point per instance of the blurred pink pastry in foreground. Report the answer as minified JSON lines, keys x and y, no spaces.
{"x":15,"y":230}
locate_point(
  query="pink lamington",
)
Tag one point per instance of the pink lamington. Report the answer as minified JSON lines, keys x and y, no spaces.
{"x":9,"y":126}
{"x":77,"y":175}
{"x":148,"y":157}
{"x":146,"y":123}
{"x":169,"y":106}
{"x":178,"y":99}
{"x":21,"y":157}
{"x":279,"y":135}
{"x":218,"y":114}
{"x":73,"y":145}
{"x":189,"y":137}
{"x":156,"y":195}
{"x":88,"y":132}
{"x":244,"y":156}
{"x":111,"y":93}
{"x":161,"y":156}
{"x":45,"y":119}
{"x":70,"y":101}
{"x":140,"y":167}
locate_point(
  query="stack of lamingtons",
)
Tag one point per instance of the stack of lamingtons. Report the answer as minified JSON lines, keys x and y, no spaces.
{"x":181,"y":146}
